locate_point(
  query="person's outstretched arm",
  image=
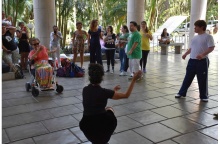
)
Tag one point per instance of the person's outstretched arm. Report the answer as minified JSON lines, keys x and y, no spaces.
{"x":120,"y":95}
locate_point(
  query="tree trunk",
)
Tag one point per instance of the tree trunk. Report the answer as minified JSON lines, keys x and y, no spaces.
{"x":8,"y":9}
{"x":5,"y":6}
{"x":59,"y":19}
{"x":16,"y":14}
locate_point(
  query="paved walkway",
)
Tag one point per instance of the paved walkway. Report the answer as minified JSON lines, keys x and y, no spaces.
{"x":150,"y":115}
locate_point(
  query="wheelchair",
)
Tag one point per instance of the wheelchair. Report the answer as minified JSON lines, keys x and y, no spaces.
{"x":34,"y":86}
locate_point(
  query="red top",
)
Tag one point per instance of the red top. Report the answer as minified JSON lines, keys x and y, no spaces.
{"x":42,"y":55}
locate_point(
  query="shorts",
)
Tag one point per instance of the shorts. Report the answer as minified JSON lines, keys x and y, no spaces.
{"x":134,"y":65}
{"x":78,"y":47}
{"x":11,"y":58}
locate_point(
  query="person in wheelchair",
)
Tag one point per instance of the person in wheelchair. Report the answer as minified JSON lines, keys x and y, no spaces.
{"x":39,"y":59}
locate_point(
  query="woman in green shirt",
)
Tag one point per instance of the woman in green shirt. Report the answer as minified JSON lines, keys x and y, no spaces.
{"x":122,"y":44}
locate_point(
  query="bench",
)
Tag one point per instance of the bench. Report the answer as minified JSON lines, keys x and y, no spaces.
{"x":178,"y":48}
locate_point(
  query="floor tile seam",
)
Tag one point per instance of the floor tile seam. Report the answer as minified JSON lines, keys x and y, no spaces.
{"x":170,"y":117}
{"x":207,"y":135}
{"x":14,"y":98}
{"x":77,"y":136}
{"x":142,"y":136}
{"x":57,"y":130}
{"x":205,"y":126}
{"x":22,"y":104}
{"x":150,"y":123}
{"x":208,"y":112}
{"x":33,"y":136}
{"x":195,"y":122}
{"x":40,"y":110}
{"x":179,"y":134}
{"x":29,"y":122}
{"x":166,"y":140}
{"x":67,"y":115}
{"x":190,"y":133}
{"x":203,"y":103}
{"x":190,"y":112}
{"x":132,"y":119}
{"x":164,"y":107}
{"x":6,"y":135}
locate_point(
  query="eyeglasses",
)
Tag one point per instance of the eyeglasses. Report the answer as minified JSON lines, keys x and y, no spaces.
{"x":36,"y":44}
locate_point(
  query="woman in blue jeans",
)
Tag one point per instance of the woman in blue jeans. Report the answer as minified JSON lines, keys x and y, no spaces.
{"x":122,"y":44}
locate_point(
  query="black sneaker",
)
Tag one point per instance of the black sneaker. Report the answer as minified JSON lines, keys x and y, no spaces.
{"x":107,"y":71}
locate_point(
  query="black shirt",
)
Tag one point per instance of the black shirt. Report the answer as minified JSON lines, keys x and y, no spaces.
{"x":95,"y":99}
{"x":95,"y":36}
{"x":8,"y":41}
{"x":110,"y":44}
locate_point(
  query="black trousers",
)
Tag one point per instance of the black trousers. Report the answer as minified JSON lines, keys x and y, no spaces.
{"x":144,"y":58}
{"x":110,"y":56}
{"x":126,"y":63}
{"x":200,"y":69}
{"x":95,"y":53}
{"x":98,"y":129}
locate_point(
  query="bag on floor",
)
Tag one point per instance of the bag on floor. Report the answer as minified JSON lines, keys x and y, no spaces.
{"x":78,"y":71}
{"x":5,"y":68}
{"x":61,"y":72}
{"x":19,"y":73}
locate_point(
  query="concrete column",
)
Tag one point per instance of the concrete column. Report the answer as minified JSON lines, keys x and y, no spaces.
{"x":135,"y":11}
{"x":198,"y":12}
{"x":44,"y":19}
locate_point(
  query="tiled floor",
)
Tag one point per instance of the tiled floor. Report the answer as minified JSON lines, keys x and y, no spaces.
{"x":150,"y":115}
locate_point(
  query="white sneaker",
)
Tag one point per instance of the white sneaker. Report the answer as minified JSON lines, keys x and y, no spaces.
{"x":204,"y":100}
{"x":125,"y":73}
{"x":112,"y":71}
{"x":121,"y":74}
{"x":179,"y":96}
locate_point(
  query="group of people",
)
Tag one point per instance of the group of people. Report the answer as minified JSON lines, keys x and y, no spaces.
{"x":99,"y":122}
{"x":133,"y":47}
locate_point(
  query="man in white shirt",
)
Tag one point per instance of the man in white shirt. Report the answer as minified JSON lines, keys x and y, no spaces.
{"x":55,"y":38}
{"x":201,"y":45}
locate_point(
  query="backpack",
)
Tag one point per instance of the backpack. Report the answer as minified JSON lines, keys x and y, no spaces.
{"x":61,"y":72}
{"x":19,"y":73}
{"x":5,"y":68}
{"x":78,"y":71}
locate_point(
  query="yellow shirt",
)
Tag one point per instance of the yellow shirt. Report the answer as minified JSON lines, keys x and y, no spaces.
{"x":145,"y":41}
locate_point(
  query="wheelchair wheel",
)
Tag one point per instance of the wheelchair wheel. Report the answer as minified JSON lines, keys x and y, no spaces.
{"x":59,"y":88}
{"x":27,"y":86}
{"x":35,"y":92}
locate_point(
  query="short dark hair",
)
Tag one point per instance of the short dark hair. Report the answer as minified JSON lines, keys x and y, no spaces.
{"x":54,"y":26}
{"x":134,"y":23}
{"x":96,"y":73}
{"x":201,"y":23}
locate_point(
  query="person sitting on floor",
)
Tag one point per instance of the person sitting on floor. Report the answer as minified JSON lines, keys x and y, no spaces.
{"x":43,"y":70}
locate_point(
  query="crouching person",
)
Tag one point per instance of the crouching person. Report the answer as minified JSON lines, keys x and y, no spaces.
{"x":99,"y":122}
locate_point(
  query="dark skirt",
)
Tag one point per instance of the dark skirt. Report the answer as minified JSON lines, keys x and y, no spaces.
{"x":99,"y":128}
{"x":23,"y":46}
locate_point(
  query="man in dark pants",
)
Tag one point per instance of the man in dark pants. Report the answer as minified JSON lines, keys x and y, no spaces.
{"x":201,"y":45}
